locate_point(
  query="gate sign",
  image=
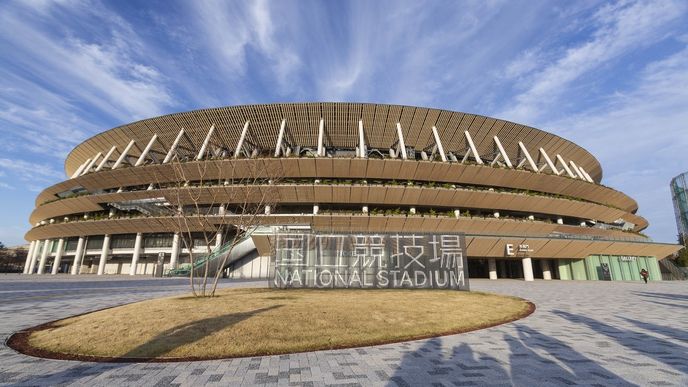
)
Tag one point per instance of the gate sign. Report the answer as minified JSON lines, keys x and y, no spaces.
{"x":385,"y":260}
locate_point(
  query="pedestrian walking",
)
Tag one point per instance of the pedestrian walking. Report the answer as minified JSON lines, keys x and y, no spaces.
{"x":644,"y":274}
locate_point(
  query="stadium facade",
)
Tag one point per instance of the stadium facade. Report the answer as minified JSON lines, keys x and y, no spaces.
{"x":529,"y":203}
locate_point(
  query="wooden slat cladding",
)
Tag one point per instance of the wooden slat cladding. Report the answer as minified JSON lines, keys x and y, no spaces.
{"x":401,"y":195}
{"x":489,"y":243}
{"x":341,"y":122}
{"x":362,"y":169}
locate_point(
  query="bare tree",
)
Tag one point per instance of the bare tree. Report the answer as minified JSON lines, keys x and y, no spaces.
{"x":236,"y":204}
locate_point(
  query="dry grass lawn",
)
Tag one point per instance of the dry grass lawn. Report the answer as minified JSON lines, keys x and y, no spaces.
{"x":246,"y":322}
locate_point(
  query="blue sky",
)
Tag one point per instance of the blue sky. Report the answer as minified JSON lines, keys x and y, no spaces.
{"x":610,"y":76}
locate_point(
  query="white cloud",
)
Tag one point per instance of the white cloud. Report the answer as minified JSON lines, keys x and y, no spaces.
{"x":33,"y":172}
{"x":232,"y":31}
{"x":641,"y":138}
{"x":620,"y":28}
{"x":101,"y":72}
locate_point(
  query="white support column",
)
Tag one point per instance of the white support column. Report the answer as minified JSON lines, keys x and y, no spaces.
{"x":546,"y":273}
{"x":136,"y":254}
{"x":530,"y":160}
{"x":173,"y":148}
{"x":241,"y":140}
{"x":402,"y":144}
{"x":121,"y":157}
{"x":106,"y":158}
{"x":34,"y":258}
{"x":575,"y":170}
{"x":104,"y":254}
{"x":90,"y":165}
{"x":78,"y":256}
{"x":527,"y":269}
{"x":81,"y":168}
{"x":29,"y":254}
{"x":438,"y":142}
{"x":566,"y":167}
{"x":218,"y":239}
{"x":280,"y":137}
{"x":587,"y":177}
{"x":58,"y":256}
{"x":549,"y":162}
{"x":174,"y":257}
{"x":321,"y":136}
{"x":142,"y":157}
{"x":474,"y":150}
{"x":44,"y":256}
{"x":492,"y":267}
{"x":503,"y":152}
{"x":316,"y":209}
{"x":361,"y":141}
{"x":201,"y":152}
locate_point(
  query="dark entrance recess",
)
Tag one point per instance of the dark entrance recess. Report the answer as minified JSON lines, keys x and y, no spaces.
{"x":507,"y":268}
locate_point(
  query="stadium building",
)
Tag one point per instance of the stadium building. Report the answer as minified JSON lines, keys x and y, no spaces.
{"x":530,"y":203}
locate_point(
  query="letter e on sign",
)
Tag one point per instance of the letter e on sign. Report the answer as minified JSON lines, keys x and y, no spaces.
{"x":509,"y":249}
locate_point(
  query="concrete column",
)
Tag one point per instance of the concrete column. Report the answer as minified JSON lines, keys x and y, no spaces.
{"x":175,"y":250}
{"x":527,"y":269}
{"x":316,"y":209}
{"x":492,"y":266}
{"x":546,"y":273}
{"x":218,"y":239}
{"x":104,"y":254}
{"x":44,"y":256}
{"x":36,"y":255}
{"x":78,"y":255}
{"x":137,"y":253}
{"x":29,"y":254}
{"x":58,"y":256}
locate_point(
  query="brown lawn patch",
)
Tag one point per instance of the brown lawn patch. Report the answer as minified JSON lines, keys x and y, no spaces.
{"x":248,"y":322}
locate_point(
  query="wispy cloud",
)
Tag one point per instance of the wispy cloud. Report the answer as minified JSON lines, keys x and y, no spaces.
{"x":101,"y":72}
{"x":234,"y":31}
{"x":619,"y":28}
{"x":640,"y":137}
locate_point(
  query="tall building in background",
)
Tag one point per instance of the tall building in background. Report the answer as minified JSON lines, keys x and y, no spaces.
{"x":679,"y":194}
{"x":529,"y":203}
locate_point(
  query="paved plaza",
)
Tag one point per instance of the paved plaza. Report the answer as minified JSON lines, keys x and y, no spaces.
{"x":582,"y":333}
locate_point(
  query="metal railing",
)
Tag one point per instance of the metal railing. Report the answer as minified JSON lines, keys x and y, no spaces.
{"x":213,"y":260}
{"x":675,"y":272}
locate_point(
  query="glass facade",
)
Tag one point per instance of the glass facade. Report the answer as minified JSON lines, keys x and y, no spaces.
{"x":608,"y":268}
{"x":679,"y":194}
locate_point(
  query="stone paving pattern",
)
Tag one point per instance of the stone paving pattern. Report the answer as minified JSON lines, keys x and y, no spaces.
{"x":582,"y":333}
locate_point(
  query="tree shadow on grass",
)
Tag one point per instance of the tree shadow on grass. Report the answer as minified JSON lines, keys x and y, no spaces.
{"x":158,"y":346}
{"x":179,"y":336}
